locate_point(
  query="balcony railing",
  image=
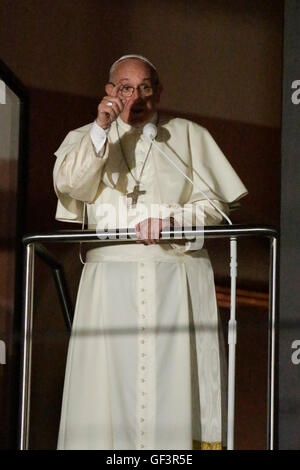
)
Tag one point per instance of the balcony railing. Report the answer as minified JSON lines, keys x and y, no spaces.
{"x":34,"y":244}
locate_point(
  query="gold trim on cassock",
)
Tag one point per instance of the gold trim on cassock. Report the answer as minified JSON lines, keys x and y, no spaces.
{"x":203,"y":445}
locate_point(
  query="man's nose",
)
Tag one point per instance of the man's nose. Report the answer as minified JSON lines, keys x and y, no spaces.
{"x":136,"y":93}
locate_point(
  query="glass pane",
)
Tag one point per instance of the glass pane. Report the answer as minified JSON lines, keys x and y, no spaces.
{"x":9,"y":154}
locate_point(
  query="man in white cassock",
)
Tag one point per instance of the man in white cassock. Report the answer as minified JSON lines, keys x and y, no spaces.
{"x":143,"y":367}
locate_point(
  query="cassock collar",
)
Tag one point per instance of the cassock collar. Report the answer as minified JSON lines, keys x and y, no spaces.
{"x":128,"y":128}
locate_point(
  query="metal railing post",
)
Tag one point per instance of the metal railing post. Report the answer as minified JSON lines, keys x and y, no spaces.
{"x":231,"y":349}
{"x":272,"y":339}
{"x":27,"y":346}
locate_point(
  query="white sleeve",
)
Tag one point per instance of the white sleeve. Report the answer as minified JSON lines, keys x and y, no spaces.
{"x":98,"y":137}
{"x":199,"y":213}
{"x":78,"y":170}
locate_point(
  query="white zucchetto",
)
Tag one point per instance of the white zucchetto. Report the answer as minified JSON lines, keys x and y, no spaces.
{"x":133,"y":56}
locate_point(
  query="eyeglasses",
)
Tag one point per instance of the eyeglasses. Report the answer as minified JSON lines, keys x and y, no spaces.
{"x":127,"y":90}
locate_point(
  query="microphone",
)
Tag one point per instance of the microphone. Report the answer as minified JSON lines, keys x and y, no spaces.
{"x":149,"y":133}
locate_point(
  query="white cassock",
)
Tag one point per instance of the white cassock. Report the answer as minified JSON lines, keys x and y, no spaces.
{"x":143,"y":368}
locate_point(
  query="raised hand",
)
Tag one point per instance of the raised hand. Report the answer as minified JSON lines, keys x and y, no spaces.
{"x":109,"y":109}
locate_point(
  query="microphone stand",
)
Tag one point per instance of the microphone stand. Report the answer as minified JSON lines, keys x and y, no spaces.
{"x":149,"y":133}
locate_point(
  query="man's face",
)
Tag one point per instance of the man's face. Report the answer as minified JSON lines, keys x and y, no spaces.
{"x":139,"y":107}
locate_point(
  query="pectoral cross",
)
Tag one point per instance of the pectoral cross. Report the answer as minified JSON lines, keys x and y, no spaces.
{"x":135,"y":194}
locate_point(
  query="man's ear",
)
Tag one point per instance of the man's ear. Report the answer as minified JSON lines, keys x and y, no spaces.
{"x":109,"y":88}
